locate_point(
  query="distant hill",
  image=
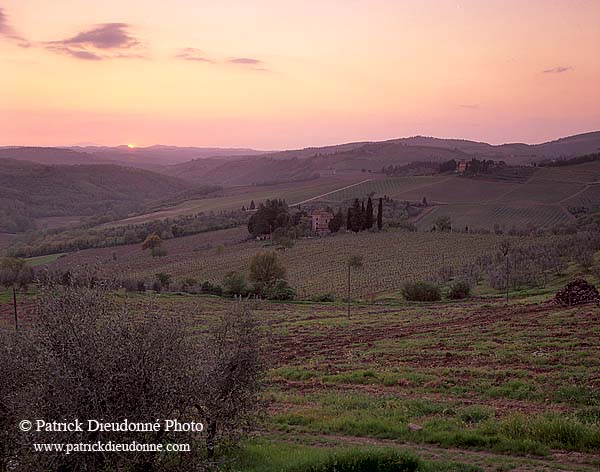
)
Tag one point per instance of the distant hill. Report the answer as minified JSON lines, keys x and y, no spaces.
{"x":156,"y":156}
{"x":308,"y":163}
{"x":49,"y":155}
{"x":31,"y":191}
{"x":153,"y":157}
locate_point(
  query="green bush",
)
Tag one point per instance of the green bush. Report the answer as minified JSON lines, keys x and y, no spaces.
{"x":234,"y":283}
{"x":421,"y":292}
{"x":365,"y":461}
{"x":324,"y":297}
{"x":459,"y":290}
{"x":280,"y":290}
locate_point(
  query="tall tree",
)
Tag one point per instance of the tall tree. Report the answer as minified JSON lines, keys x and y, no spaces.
{"x":369,"y":214}
{"x":380,"y":215}
{"x":336,"y":222}
{"x":271,"y":215}
{"x":252,"y":205}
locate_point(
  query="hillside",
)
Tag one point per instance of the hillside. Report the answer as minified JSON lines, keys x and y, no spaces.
{"x":371,"y":156}
{"x":31,"y":191}
{"x":50,"y":155}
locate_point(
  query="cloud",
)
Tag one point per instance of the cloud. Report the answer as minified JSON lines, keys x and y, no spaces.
{"x":469,"y":106}
{"x":245,"y":60}
{"x":558,"y":70}
{"x":193,"y":54}
{"x":7,"y":31}
{"x":103,"y":41}
{"x":197,"y":55}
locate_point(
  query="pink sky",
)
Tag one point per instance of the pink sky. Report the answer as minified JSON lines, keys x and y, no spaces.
{"x":283,"y":74}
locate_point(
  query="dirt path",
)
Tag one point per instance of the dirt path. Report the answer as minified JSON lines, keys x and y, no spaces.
{"x":329,"y":193}
{"x":557,"y":461}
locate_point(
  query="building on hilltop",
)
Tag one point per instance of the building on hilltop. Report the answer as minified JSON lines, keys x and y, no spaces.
{"x":320,"y":222}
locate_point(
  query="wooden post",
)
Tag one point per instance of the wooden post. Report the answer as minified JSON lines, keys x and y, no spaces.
{"x":15,"y":306}
{"x":348,"y":291}
{"x":507,"y":279}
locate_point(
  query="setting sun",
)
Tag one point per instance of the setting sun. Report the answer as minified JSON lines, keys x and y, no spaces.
{"x":131,"y":146}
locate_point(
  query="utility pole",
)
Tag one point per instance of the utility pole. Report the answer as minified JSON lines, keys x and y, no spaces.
{"x":505,"y":248}
{"x":15,"y":306}
{"x":348,"y":291}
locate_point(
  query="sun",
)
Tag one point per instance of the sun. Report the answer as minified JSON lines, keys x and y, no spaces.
{"x":131,"y":146}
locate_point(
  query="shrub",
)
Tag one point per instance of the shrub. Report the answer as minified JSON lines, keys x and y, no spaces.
{"x":100,"y":359}
{"x":212,"y":289}
{"x":324,"y":297}
{"x":421,"y":292}
{"x":234,"y":283}
{"x":280,"y":290}
{"x":459,"y":290}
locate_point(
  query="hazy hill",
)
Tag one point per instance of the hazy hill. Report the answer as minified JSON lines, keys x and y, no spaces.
{"x":29,"y":191}
{"x":49,"y":155}
{"x":371,"y":156}
{"x":155,"y":156}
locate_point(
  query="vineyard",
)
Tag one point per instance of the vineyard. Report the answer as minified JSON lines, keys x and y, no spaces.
{"x":236,"y":198}
{"x":485,"y":216}
{"x":314,"y":266}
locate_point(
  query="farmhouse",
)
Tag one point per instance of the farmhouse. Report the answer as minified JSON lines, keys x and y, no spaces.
{"x":320,"y":221}
{"x":461,"y":167}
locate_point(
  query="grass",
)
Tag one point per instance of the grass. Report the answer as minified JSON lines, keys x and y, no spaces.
{"x":281,"y":457}
{"x":444,"y":424}
{"x":43,"y":260}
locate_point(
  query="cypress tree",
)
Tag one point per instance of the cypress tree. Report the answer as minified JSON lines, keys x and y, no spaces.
{"x":380,"y":215}
{"x":369,"y":214}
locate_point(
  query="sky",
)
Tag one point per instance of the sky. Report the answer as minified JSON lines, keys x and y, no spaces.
{"x":279,"y":74}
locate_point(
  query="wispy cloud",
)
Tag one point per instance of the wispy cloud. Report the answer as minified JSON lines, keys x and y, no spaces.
{"x":197,"y":55}
{"x":194,"y":55}
{"x":8,"y":32}
{"x":103,"y":41}
{"x":557,"y":70}
{"x":469,"y":106}
{"x":245,"y":61}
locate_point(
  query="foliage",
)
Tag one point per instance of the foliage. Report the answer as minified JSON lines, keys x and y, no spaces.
{"x":234,"y":283}
{"x":81,"y":332}
{"x":459,"y":290}
{"x":15,"y":272}
{"x":269,"y":216}
{"x":265,"y":269}
{"x":421,"y":292}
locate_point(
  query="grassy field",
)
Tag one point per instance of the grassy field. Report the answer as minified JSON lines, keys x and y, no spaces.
{"x":314,"y":266}
{"x":496,"y":387}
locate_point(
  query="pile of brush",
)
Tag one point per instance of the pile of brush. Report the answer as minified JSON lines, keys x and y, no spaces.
{"x":577,"y":292}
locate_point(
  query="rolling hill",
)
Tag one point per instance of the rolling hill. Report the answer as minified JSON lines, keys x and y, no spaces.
{"x":31,"y":191}
{"x":308,"y":163}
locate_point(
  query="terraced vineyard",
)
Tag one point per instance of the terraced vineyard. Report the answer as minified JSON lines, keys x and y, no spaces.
{"x":506,"y":216}
{"x":314,"y":266}
{"x":539,"y":196}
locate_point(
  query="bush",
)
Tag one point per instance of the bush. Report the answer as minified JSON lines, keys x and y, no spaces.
{"x":280,"y":290}
{"x":88,"y":355}
{"x":212,"y":289}
{"x":234,"y":283}
{"x":324,"y":297}
{"x":459,"y":290}
{"x":421,"y":292}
